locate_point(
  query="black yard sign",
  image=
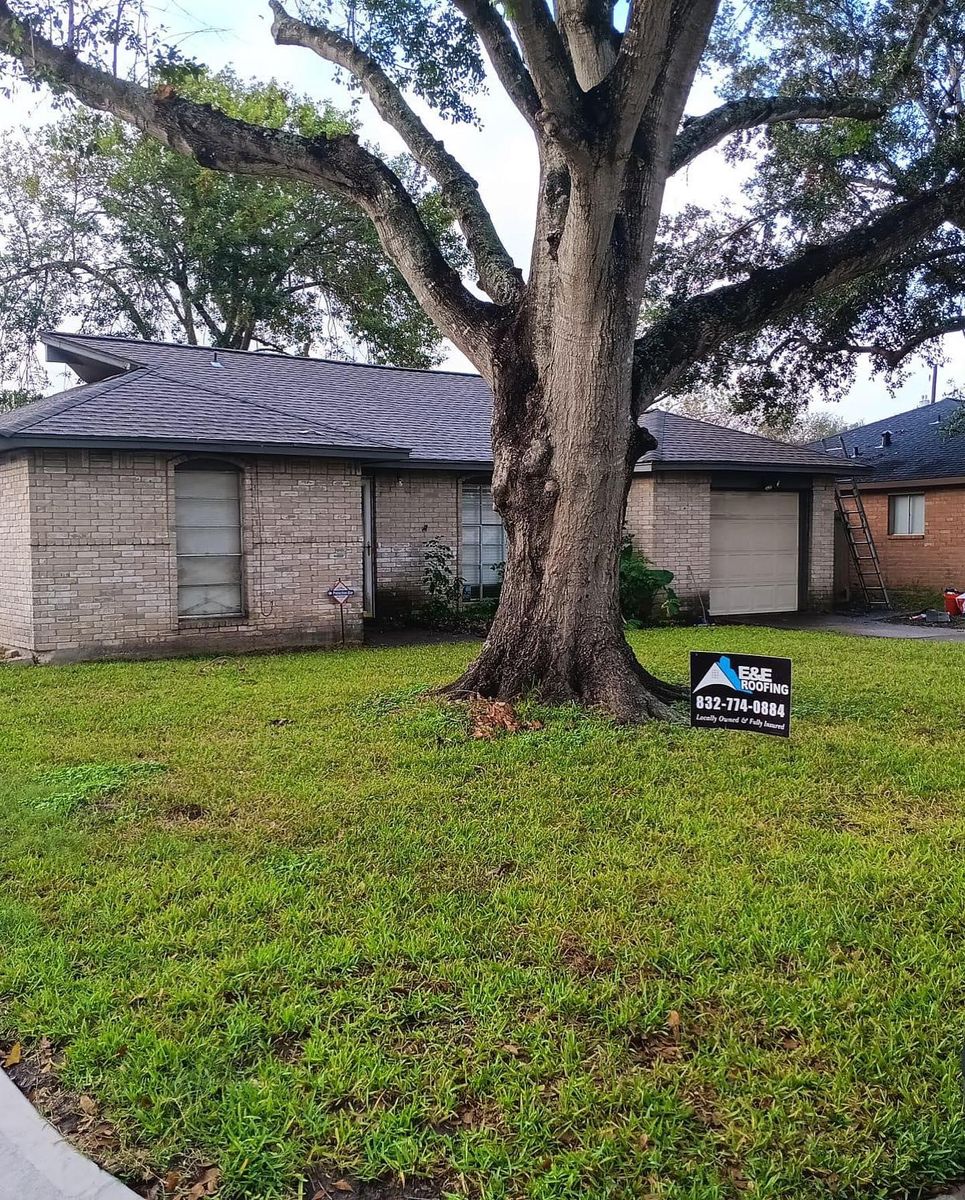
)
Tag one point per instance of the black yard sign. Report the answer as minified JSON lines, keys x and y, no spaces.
{"x":740,"y":691}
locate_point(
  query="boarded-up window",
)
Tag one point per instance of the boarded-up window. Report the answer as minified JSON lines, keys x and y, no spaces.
{"x":482,"y":544}
{"x":208,"y":527}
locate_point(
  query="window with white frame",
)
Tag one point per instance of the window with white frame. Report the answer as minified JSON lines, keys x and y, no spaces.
{"x":906,"y":515}
{"x":482,"y":543}
{"x":207,"y":518}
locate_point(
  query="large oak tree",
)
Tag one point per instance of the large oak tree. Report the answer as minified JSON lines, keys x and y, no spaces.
{"x":854,"y":230}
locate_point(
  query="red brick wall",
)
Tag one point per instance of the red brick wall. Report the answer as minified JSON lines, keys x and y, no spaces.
{"x":936,"y":559}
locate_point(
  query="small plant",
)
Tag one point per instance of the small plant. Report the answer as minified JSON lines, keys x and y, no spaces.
{"x":645,"y":592}
{"x":441,"y":587}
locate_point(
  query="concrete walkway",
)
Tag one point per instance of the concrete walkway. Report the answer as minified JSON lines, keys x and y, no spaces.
{"x":36,"y":1163}
{"x":877,"y":627}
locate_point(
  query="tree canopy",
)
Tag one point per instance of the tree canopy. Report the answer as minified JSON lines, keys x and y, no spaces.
{"x":808,"y":183}
{"x":103,"y":228}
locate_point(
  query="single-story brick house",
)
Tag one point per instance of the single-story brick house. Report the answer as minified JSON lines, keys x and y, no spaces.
{"x":183,"y":500}
{"x":912,"y":486}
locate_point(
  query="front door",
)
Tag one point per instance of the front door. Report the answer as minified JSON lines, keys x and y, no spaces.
{"x":368,"y":549}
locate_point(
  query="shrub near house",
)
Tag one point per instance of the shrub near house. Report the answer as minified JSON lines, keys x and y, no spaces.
{"x":645,"y":591}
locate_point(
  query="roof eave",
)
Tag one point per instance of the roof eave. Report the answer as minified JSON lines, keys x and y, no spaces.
{"x":62,"y":349}
{"x":692,"y":464}
{"x":460,"y":465}
{"x":884,"y":482}
{"x":206,"y":446}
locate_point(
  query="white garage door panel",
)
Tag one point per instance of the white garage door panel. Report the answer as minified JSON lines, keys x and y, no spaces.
{"x":753,"y":552}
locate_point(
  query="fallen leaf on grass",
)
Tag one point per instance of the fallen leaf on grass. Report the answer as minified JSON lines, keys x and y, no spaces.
{"x":207,"y":1184}
{"x":88,"y":1106}
{"x":673,"y":1024}
{"x":14,"y":1054}
{"x":491,"y":717}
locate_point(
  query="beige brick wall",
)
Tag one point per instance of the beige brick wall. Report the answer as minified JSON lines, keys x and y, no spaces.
{"x":668,"y":517}
{"x":16,"y":597}
{"x":821,"y":549}
{"x":410,"y":509}
{"x":105,"y":565}
{"x":638,"y":521}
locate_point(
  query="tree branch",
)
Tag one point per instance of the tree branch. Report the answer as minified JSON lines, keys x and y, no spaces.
{"x":498,"y":274}
{"x":930,"y":10}
{"x":587,"y":28}
{"x":501,"y":51}
{"x":700,"y":134}
{"x":695,"y":329}
{"x":642,"y":56}
{"x":337,"y":164}
{"x":74,"y":266}
{"x":549,"y":65}
{"x":893,"y":356}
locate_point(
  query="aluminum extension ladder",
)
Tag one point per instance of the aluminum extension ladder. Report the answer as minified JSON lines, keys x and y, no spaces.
{"x":861,"y":543}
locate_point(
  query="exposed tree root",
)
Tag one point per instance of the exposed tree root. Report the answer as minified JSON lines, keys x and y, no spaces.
{"x":601,"y":673}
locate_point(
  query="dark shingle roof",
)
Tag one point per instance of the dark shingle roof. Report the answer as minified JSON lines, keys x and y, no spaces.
{"x":422,"y":415}
{"x":684,"y":440}
{"x":921,"y":446}
{"x":172,"y":394}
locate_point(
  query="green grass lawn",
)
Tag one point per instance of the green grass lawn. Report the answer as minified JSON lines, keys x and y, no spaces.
{"x":282,"y":913}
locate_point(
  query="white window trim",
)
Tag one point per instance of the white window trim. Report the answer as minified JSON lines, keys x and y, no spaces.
{"x":894,"y":522}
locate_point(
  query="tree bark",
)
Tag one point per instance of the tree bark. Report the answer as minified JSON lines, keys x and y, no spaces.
{"x":564,"y":447}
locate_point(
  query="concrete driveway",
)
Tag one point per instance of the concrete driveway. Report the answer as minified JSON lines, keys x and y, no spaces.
{"x":864,"y":626}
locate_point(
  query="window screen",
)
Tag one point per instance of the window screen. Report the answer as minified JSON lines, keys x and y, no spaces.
{"x":482,"y":544}
{"x":208,"y":527}
{"x":906,"y":515}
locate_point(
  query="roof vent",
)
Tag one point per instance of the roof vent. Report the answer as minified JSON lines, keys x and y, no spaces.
{"x":886,"y":439}
{"x":216,"y":361}
{"x":855,"y":452}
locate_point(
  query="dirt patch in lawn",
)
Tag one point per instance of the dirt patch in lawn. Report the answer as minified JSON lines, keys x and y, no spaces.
{"x":77,"y":1116}
{"x":329,"y":1185}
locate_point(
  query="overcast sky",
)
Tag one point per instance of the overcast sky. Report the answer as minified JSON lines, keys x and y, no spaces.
{"x":236,"y":33}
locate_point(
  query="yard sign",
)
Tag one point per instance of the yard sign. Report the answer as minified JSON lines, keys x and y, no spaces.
{"x":740,"y":691}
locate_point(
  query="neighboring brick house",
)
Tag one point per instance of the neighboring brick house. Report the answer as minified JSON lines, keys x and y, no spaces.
{"x":913,"y":489}
{"x":187,"y":500}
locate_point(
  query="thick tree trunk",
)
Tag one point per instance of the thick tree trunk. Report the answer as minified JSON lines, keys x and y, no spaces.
{"x":564,"y":446}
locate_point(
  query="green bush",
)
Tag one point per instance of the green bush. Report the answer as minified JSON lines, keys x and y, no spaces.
{"x":441,"y":587}
{"x":443,"y":605}
{"x":645,"y":592}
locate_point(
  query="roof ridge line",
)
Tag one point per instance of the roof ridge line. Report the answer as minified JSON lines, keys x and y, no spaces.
{"x":905,"y":412}
{"x":804,"y":448}
{"x":265,"y":354}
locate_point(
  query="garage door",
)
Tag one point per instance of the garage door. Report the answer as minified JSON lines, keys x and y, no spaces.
{"x":753,"y":552}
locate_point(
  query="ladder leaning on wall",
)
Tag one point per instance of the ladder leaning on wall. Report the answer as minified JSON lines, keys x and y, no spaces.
{"x":861,"y":542}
